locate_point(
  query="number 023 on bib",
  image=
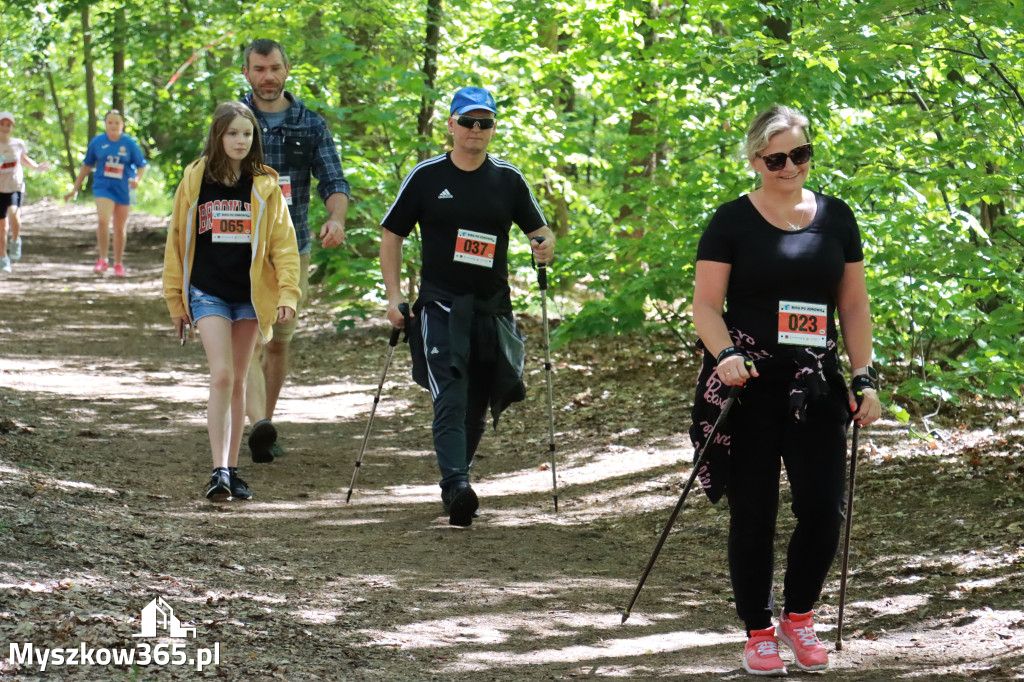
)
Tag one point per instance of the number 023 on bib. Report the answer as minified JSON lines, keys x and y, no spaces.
{"x":803,"y":324}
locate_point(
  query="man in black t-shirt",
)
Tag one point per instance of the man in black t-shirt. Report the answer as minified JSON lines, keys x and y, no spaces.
{"x":465,"y":202}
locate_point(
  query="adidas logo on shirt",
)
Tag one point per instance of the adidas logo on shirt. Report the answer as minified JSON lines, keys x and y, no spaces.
{"x":434,"y":351}
{"x":445,"y":194}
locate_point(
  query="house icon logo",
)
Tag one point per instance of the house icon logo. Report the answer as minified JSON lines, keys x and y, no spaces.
{"x":158,"y":613}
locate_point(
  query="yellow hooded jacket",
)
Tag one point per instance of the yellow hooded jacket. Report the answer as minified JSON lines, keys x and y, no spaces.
{"x":274,"y":270}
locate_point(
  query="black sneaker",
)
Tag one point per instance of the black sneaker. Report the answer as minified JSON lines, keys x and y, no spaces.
{"x":219,"y":487}
{"x":461,"y":503}
{"x":276,"y":450}
{"x":239,"y":488}
{"x":261,"y":439}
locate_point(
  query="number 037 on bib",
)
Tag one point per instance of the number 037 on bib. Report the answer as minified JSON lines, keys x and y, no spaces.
{"x":476,"y":248}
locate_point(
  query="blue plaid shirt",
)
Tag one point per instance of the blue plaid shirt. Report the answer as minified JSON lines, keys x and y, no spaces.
{"x":300,"y":146}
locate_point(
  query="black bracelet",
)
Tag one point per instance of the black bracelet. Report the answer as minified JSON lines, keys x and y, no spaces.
{"x":728,"y":353}
{"x":860,"y":382}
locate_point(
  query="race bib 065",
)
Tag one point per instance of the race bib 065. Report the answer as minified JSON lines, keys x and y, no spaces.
{"x":232,"y":227}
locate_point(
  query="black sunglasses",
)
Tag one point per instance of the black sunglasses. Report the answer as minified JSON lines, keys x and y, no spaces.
{"x":468,"y":121}
{"x":777,"y":161}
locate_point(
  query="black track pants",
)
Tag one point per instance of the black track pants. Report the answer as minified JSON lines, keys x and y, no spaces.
{"x":814,"y":453}
{"x":460,"y":403}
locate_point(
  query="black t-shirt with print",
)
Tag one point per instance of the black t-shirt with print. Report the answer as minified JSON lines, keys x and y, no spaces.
{"x":221,"y":269}
{"x":770,"y":265}
{"x":465,"y":218}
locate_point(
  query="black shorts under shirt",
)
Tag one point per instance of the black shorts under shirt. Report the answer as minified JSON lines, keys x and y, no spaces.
{"x":444,"y":200}
{"x":771,"y":265}
{"x":222,"y":270}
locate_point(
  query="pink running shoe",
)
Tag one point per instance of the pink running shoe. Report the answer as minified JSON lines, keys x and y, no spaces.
{"x":101,"y":266}
{"x":761,"y":655}
{"x":119,"y":270}
{"x":796,"y":630}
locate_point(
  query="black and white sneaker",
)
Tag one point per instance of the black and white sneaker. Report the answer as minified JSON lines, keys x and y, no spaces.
{"x":261,"y":439}
{"x":219,"y":487}
{"x":239,"y":488}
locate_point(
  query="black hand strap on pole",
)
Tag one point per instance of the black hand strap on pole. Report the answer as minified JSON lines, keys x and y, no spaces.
{"x":542,"y":283}
{"x":392,"y":342}
{"x":849,"y":526}
{"x":726,"y":406}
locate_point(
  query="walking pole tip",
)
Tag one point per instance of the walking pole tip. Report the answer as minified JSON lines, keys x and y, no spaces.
{"x":625,"y":615}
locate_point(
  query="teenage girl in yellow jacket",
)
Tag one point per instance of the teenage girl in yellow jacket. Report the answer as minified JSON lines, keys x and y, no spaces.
{"x":231,"y":268}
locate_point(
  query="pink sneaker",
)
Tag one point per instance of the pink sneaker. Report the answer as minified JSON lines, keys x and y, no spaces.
{"x":761,"y":655}
{"x":101,"y":266}
{"x":796,"y":630}
{"x":119,"y":270}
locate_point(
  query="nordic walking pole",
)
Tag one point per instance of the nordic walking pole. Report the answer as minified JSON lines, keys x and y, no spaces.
{"x":849,"y":527}
{"x":392,"y":342}
{"x":726,"y":406}
{"x":542,"y":282}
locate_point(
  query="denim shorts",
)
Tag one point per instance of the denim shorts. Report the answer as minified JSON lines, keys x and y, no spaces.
{"x":204,"y":304}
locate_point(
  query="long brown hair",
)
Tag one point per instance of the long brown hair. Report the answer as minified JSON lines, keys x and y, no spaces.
{"x":218,"y":168}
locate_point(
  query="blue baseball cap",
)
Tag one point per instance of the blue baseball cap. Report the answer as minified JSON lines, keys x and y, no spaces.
{"x":470,"y":98}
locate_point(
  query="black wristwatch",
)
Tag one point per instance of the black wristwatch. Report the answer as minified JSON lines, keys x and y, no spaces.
{"x":864,"y":377}
{"x":867,"y":371}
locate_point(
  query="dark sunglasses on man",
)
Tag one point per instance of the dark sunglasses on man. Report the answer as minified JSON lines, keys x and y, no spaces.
{"x":485,"y":123}
{"x":777,"y":161}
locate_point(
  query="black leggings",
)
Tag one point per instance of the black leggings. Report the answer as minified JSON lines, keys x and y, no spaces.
{"x":814,"y":452}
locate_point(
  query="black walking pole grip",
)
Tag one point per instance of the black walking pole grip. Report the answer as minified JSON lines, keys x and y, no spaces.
{"x":403,"y":308}
{"x":542,"y":269}
{"x":726,"y":406}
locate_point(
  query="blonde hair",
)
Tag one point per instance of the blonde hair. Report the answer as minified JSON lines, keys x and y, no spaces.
{"x":771,"y":122}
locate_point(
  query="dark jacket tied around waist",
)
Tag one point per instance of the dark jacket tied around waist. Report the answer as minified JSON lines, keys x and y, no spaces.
{"x":484,"y":323}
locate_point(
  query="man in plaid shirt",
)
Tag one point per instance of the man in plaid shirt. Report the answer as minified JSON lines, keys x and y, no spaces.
{"x":296,"y":143}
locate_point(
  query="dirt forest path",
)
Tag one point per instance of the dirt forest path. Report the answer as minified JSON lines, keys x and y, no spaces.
{"x":103,"y":455}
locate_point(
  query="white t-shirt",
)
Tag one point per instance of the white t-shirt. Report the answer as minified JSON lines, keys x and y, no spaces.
{"x":12,"y":173}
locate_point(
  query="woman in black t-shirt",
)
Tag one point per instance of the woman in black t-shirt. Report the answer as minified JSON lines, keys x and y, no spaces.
{"x":774,"y":268}
{"x":231,"y":268}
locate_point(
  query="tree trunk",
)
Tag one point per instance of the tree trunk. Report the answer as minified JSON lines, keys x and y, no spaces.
{"x":426,"y":116}
{"x":72,"y":168}
{"x":782,"y":29}
{"x":90,"y":79}
{"x":641,"y":127}
{"x":117,"y":95}
{"x":563,"y":98}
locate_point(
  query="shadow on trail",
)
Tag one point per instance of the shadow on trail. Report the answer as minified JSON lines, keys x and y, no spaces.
{"x":103,"y":451}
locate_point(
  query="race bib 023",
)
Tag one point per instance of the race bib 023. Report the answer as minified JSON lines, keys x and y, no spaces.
{"x":475,"y":248}
{"x":803,"y":324}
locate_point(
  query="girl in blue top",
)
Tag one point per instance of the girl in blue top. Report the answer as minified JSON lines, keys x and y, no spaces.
{"x":121,"y":167}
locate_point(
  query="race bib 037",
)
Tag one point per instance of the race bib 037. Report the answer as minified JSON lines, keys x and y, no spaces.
{"x":475,"y":248}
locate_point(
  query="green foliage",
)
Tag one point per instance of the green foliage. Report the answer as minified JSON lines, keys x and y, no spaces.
{"x":631,"y":115}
